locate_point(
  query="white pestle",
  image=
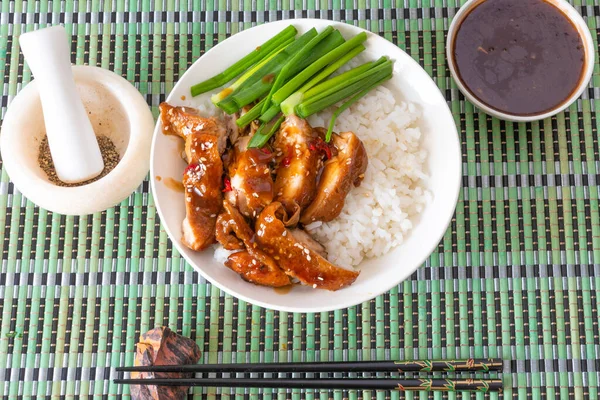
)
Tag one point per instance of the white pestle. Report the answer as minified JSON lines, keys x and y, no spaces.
{"x":73,"y":145}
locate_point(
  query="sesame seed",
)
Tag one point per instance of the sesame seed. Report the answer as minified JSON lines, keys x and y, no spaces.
{"x":308,"y":258}
{"x":306,"y":251}
{"x":213,"y":215}
{"x":319,"y":278}
{"x":315,"y":286}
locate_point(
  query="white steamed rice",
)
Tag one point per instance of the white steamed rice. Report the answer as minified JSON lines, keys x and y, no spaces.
{"x":378,"y":214}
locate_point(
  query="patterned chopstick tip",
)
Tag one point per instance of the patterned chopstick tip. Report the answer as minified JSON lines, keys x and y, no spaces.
{"x":449,"y":385}
{"x":470,"y":364}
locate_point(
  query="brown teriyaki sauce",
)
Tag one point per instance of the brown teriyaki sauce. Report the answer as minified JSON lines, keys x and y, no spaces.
{"x":174,"y":184}
{"x":283,"y":289}
{"x":521,"y":57}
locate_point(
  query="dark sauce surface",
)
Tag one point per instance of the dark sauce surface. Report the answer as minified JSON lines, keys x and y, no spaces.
{"x":521,"y":57}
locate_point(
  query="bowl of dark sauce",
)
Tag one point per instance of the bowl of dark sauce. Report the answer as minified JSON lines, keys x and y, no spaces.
{"x":520,"y":60}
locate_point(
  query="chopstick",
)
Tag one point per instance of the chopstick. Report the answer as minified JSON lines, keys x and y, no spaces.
{"x":468,"y":365}
{"x":446,"y":385}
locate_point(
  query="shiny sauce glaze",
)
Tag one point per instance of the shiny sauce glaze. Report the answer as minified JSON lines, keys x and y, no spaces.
{"x":256,"y":170}
{"x":521,"y":57}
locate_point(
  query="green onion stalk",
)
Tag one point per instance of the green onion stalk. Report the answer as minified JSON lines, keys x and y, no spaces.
{"x":292,"y":62}
{"x":218,"y":97}
{"x":240,"y":66}
{"x":259,"y":82}
{"x":262,"y":87}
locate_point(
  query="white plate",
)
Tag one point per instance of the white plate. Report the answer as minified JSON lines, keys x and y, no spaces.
{"x":411,"y":83}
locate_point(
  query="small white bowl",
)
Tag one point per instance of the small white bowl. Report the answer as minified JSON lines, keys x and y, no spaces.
{"x":109,"y":100}
{"x":588,"y":67}
{"x":440,"y":139}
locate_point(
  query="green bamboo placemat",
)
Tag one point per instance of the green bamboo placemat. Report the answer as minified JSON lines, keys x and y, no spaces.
{"x":516,"y":276}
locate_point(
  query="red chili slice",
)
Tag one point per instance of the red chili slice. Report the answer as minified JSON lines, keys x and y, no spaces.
{"x":327,"y":150}
{"x":190,"y":167}
{"x":287,"y":160}
{"x":320,"y":145}
{"x":227,"y":184}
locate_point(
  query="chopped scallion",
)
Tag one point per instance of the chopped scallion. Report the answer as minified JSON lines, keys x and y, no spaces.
{"x":293,"y":61}
{"x":336,"y":94}
{"x":328,"y":87}
{"x":349,"y":102}
{"x":264,"y":133}
{"x":216,"y":98}
{"x":240,"y":66}
{"x":251,"y":115}
{"x":312,"y":69}
{"x":287,"y":106}
{"x":261,"y":81}
{"x":343,"y":78}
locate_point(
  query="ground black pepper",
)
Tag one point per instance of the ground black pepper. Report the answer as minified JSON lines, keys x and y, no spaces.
{"x":110,"y":156}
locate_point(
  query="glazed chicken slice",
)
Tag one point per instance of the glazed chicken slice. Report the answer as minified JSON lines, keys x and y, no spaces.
{"x":340,"y":173}
{"x":234,"y":131}
{"x":294,"y":258}
{"x":258,"y":268}
{"x":205,"y":140}
{"x":250,"y":178}
{"x":253,"y":265}
{"x":203,"y":197}
{"x":307,"y":241}
{"x":183,"y":121}
{"x":298,"y":166}
{"x":225,"y":233}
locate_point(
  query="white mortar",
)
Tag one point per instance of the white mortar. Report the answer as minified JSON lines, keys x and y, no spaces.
{"x":116,"y":110}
